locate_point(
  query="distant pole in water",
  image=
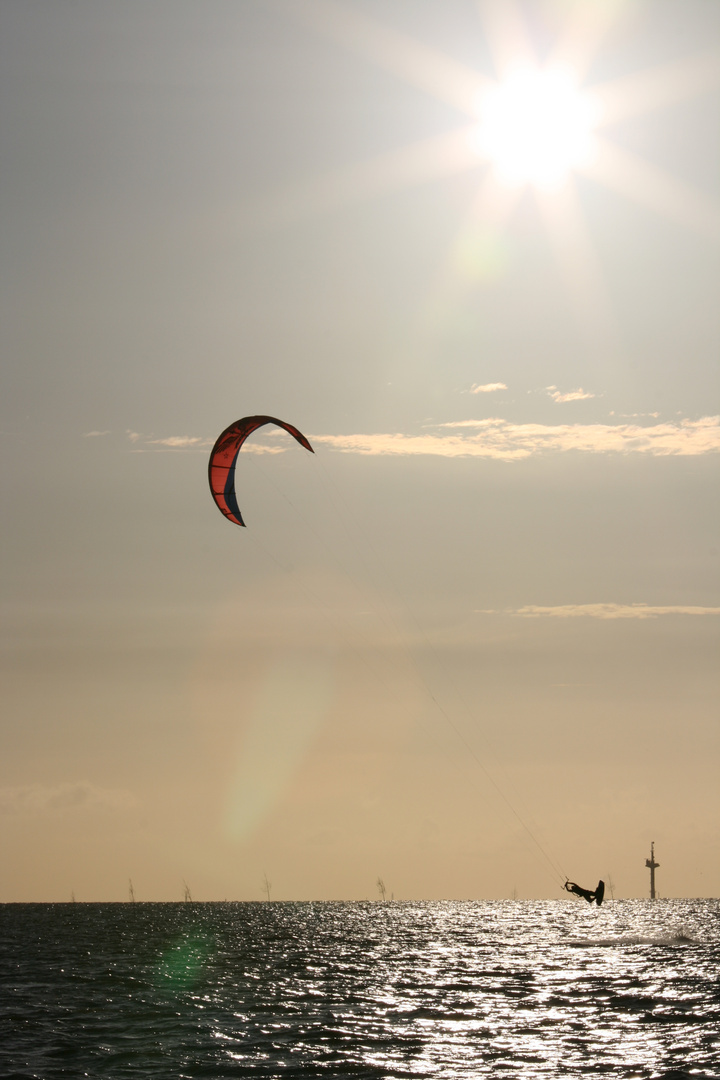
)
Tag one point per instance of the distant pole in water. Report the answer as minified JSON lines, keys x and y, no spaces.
{"x":652,"y":866}
{"x":267,"y":885}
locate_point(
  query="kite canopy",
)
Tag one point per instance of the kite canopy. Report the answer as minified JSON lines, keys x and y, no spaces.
{"x":221,"y":468}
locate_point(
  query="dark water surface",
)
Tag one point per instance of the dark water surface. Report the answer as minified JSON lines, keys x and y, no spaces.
{"x":513,"y":988}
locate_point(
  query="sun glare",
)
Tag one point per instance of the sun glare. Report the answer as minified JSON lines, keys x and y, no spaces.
{"x":536,"y":127}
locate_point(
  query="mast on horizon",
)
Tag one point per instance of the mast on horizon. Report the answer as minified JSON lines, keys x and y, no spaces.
{"x":131,"y":892}
{"x":652,"y":866}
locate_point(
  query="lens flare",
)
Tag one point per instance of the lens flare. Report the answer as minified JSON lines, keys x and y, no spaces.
{"x":536,"y":127}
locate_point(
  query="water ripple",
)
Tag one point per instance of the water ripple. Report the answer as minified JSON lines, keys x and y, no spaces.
{"x":452,"y":990}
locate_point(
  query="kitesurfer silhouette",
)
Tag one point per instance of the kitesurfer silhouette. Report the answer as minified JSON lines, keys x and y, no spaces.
{"x":587,"y":894}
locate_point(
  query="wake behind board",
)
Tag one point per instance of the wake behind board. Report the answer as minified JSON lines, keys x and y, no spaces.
{"x":600,"y":893}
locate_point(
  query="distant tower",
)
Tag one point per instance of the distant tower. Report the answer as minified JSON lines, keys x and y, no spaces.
{"x":652,"y":866}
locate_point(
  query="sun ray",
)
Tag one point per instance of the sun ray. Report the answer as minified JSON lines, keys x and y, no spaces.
{"x":419,"y":65}
{"x":475,"y":255}
{"x":494,"y":203}
{"x":583,"y":30}
{"x":581,"y":272}
{"x":652,"y":187}
{"x":507,"y":36}
{"x":417,"y":163}
{"x":644,"y":91}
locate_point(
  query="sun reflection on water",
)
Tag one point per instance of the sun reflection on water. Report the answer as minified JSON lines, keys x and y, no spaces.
{"x":535,"y":989}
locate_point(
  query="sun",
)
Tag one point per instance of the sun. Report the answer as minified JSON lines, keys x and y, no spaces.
{"x":536,"y":127}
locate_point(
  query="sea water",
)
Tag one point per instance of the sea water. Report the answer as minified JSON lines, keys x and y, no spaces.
{"x":379,"y":990}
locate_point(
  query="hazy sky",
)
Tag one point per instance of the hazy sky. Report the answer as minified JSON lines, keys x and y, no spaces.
{"x":472,"y":251}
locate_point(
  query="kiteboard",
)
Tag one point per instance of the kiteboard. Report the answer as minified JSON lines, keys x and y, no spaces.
{"x":600,"y":893}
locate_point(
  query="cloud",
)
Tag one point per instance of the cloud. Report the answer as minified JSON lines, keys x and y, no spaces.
{"x":571,"y":395}
{"x":148,"y":443}
{"x":501,"y":440}
{"x":490,"y":438}
{"x":170,"y":442}
{"x":608,"y":611}
{"x":486,"y":388}
{"x":180,"y":442}
{"x":94,"y":434}
{"x":634,"y":415}
{"x":39,"y":799}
